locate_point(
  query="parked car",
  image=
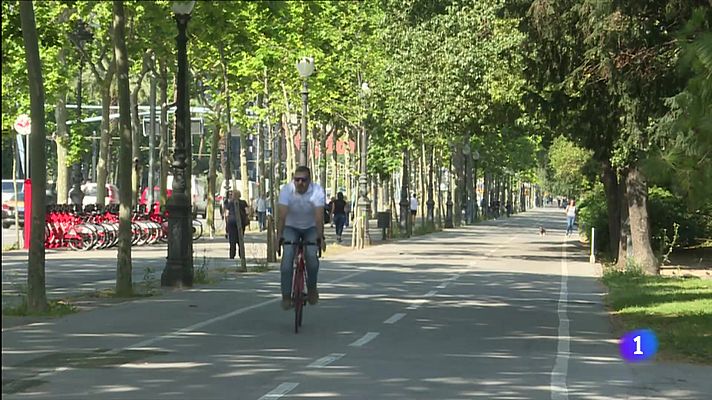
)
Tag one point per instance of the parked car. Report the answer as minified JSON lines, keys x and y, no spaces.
{"x":8,"y":190}
{"x":89,"y":189}
{"x":12,"y":206}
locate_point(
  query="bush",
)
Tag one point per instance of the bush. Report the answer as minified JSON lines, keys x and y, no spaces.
{"x":592,"y":212}
{"x":665,"y":210}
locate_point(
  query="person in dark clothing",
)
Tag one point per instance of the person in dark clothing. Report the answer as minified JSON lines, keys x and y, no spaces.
{"x":338,"y":214}
{"x":231,"y":218}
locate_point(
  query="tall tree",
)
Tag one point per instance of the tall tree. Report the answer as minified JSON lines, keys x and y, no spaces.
{"x":36,"y":293}
{"x":124,"y":286}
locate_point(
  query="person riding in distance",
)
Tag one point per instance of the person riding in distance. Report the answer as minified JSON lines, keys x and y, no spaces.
{"x":301,"y":214}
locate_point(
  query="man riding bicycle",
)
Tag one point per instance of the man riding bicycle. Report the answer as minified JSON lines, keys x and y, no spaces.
{"x":301,"y":214}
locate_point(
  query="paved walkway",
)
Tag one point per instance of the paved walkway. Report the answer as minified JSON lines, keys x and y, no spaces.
{"x":492,"y":311}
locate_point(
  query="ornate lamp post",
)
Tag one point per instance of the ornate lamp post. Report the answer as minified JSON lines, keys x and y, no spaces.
{"x":305,"y":67}
{"x":431,"y":202}
{"x":475,"y":216}
{"x":179,"y":264}
{"x":466,"y":151}
{"x":404,"y":202}
{"x":448,"y":216}
{"x":363,"y":202}
{"x":80,"y":36}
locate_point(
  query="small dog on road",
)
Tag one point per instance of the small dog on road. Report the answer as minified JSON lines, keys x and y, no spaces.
{"x":542,"y":231}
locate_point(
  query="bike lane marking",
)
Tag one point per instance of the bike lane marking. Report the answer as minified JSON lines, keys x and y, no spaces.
{"x":210,"y":321}
{"x":365,"y":339}
{"x":394,"y":318}
{"x":558,"y":388}
{"x":324,"y":361}
{"x":280,"y":391}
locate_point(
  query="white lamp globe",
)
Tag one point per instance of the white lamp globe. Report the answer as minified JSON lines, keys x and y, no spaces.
{"x":305,"y":66}
{"x":183,"y":7}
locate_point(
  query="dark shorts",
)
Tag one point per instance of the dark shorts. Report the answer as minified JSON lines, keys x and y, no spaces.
{"x":413,"y":212}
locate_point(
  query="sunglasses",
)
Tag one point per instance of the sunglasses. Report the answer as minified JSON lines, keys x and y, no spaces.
{"x":300,"y":179}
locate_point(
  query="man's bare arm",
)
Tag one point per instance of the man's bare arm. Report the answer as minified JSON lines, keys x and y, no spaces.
{"x":282,"y":209}
{"x":319,"y":211}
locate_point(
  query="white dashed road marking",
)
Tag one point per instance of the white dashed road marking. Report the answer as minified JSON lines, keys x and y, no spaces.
{"x":324,"y":361}
{"x":394,"y":318}
{"x":365,"y":339}
{"x":280,"y":391}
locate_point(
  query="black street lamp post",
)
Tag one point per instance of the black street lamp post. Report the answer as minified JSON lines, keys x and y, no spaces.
{"x":305,"y":67}
{"x":404,"y":201}
{"x":80,"y":36}
{"x":431,"y":202}
{"x":179,"y":264}
{"x":467,"y":152}
{"x":448,"y":217}
{"x":475,"y":206}
{"x":363,"y":202}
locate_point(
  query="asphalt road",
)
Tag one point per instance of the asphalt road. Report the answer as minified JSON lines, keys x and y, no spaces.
{"x":493,"y":311}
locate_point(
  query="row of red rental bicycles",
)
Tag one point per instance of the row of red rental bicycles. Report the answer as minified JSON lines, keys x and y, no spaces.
{"x":97,"y":227}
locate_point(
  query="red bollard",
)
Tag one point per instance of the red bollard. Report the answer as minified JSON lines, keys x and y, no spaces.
{"x":28,"y":212}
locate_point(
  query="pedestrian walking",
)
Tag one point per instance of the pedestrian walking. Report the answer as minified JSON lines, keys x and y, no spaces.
{"x":261,"y":207}
{"x":338,"y":214}
{"x":231,"y":205}
{"x":413,"y":208}
{"x":329,"y":207}
{"x":570,"y":217}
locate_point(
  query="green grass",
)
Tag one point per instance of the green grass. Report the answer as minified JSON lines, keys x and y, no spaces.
{"x":55,"y":308}
{"x":678,"y":310}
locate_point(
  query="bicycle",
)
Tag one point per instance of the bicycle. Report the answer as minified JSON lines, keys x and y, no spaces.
{"x":299,"y":278}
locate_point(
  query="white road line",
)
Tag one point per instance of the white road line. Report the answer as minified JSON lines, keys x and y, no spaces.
{"x":443,"y":285}
{"x":365,"y":339}
{"x":558,"y":388}
{"x":280,"y":391}
{"x":394,"y":318}
{"x":324,"y":361}
{"x":207,"y":322}
{"x":431,"y":293}
{"x":414,"y":306}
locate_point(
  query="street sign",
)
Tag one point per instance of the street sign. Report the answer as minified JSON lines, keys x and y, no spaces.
{"x":23,"y":125}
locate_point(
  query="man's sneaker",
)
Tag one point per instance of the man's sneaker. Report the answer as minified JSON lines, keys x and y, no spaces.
{"x":313,"y":296}
{"x":286,"y":302}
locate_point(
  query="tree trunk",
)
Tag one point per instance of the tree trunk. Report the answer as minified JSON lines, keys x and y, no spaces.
{"x":105,"y":139}
{"x":322,"y":157}
{"x":136,"y":130}
{"x":291,"y":149}
{"x":244,"y":176}
{"x":637,"y":189}
{"x":334,"y":163}
{"x":212,"y":175}
{"x":62,"y":139}
{"x":624,"y":224}
{"x":163,"y":155}
{"x":123,"y":266}
{"x":347,"y":166}
{"x":610,"y":184}
{"x":36,"y":291}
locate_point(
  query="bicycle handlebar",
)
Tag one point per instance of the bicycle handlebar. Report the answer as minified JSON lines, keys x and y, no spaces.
{"x":304,"y":243}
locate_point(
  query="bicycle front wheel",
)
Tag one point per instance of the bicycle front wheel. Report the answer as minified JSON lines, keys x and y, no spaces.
{"x":298,"y":293}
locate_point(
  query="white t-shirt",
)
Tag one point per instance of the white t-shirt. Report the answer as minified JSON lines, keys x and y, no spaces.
{"x":301,"y":207}
{"x":571,"y":211}
{"x":413,"y":204}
